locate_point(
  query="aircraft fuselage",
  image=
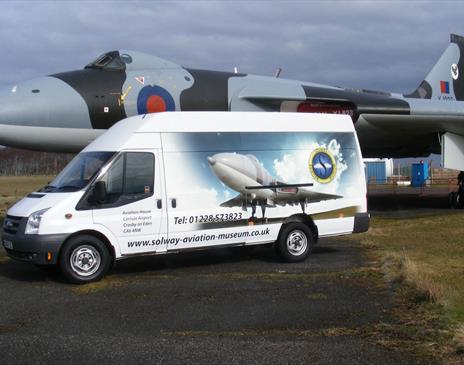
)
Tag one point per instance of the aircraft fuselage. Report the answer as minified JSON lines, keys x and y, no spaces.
{"x":65,"y":111}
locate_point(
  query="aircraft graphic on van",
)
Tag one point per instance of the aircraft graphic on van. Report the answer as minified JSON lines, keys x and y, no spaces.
{"x":246,"y":175}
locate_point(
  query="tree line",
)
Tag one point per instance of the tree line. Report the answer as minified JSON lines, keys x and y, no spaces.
{"x":15,"y":162}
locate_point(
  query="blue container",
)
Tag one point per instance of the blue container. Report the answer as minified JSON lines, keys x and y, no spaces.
{"x":420,"y":173}
{"x":375,"y":172}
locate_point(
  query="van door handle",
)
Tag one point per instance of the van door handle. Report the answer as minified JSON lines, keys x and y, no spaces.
{"x":173,"y":202}
{"x":159,"y":203}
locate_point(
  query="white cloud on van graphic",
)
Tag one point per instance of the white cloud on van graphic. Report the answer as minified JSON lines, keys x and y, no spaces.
{"x":295,"y":166}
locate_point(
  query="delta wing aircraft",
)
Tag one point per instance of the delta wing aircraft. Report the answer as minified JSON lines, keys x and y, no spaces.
{"x":65,"y":111}
{"x":246,"y":175}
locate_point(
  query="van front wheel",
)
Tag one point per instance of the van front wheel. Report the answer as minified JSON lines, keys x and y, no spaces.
{"x":84,"y":259}
{"x":295,"y":242}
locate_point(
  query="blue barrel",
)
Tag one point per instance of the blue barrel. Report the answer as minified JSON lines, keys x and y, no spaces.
{"x":420,"y":174}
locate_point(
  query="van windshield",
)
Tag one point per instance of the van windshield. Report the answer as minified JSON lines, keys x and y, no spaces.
{"x":79,"y":172}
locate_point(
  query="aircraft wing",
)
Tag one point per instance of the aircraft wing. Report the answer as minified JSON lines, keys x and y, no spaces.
{"x":237,"y":201}
{"x":325,"y":99}
{"x":387,"y":124}
{"x":294,"y":194}
{"x":308,"y":196}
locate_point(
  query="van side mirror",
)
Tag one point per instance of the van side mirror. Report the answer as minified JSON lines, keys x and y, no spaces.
{"x":99,"y":192}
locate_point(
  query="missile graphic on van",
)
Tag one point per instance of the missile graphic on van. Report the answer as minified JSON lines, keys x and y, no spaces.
{"x":246,"y":175}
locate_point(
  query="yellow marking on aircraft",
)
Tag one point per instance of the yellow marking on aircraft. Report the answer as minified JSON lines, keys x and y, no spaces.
{"x":123,"y":96}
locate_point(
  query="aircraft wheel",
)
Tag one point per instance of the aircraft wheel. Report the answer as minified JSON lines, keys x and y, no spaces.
{"x":460,"y":199}
{"x":456,"y":199}
{"x":295,"y":242}
{"x":452,"y":199}
{"x":84,"y":259}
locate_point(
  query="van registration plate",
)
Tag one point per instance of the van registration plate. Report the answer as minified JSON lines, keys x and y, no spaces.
{"x":8,"y":244}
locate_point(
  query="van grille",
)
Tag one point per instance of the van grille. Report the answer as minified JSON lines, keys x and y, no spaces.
{"x":11,"y":224}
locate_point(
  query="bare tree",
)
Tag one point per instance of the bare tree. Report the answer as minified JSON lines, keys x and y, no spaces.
{"x":15,"y":162}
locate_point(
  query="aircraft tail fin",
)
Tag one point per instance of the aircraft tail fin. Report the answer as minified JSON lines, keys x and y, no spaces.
{"x":446,"y":79}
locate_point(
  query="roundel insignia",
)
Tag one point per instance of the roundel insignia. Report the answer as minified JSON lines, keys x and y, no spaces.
{"x":322,"y":165}
{"x":154,"y":99}
{"x":454,"y":71}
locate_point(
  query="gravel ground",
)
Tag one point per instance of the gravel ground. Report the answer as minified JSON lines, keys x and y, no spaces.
{"x":209,"y":307}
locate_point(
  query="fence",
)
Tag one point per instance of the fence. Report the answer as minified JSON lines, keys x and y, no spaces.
{"x":401,"y":185}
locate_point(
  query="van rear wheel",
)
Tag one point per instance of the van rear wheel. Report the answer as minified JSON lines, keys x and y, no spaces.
{"x":295,"y":242}
{"x":84,"y":259}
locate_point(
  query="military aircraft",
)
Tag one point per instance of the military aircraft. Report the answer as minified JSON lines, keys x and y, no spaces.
{"x":65,"y":111}
{"x":247,"y":176}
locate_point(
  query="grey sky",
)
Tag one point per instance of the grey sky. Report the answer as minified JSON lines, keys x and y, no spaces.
{"x":385,"y":45}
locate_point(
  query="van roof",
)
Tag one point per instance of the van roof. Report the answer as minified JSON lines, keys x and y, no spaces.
{"x":236,"y":122}
{"x":118,"y":136}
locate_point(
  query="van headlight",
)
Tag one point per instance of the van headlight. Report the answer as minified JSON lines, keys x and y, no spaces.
{"x":33,"y":223}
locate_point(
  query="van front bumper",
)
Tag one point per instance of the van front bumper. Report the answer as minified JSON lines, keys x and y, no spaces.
{"x":33,"y":248}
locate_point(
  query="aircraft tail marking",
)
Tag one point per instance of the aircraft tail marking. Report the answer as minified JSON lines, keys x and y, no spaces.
{"x":446,"y":79}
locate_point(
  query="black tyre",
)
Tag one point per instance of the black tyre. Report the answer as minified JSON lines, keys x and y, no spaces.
{"x":295,"y":242}
{"x":456,"y":199}
{"x":84,"y":259}
{"x":452,"y":199}
{"x":460,"y":200}
{"x":242,"y":250}
{"x":46,"y":268}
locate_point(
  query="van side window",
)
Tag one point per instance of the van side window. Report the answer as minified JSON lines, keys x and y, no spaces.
{"x":139,"y":174}
{"x":130,"y":178}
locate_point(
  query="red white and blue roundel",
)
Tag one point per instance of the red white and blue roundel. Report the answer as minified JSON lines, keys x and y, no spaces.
{"x":155,"y":99}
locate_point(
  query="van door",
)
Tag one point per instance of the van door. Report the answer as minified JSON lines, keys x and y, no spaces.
{"x":134,"y":208}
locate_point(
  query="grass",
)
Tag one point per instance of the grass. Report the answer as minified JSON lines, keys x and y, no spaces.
{"x":427,"y":253}
{"x":13,"y":188}
{"x":22,"y":185}
{"x":110,"y":281}
{"x":423,"y":258}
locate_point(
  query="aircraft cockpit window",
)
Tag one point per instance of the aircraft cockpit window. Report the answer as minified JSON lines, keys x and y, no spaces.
{"x":126,"y":58}
{"x":108,"y":61}
{"x":115,"y":64}
{"x":101,"y":61}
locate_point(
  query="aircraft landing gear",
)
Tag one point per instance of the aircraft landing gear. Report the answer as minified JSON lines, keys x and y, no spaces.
{"x":253,"y":217}
{"x":253,"y":210}
{"x":456,"y":198}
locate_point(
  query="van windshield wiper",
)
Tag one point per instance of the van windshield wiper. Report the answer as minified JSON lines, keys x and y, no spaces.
{"x":67,"y":187}
{"x":51,"y":188}
{"x":47,"y":188}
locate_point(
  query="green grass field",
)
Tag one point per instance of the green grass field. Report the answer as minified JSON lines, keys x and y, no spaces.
{"x":13,"y":188}
{"x":423,"y":258}
{"x":431,"y":254}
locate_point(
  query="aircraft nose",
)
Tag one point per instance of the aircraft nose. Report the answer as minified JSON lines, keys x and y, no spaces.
{"x":231,"y":160}
{"x":8,"y":105}
{"x":211,"y":161}
{"x":43,"y":102}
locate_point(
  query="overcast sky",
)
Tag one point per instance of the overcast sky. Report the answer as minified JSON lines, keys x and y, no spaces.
{"x":383,"y":45}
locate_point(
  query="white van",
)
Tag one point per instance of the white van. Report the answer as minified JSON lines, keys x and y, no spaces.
{"x":171,"y":182}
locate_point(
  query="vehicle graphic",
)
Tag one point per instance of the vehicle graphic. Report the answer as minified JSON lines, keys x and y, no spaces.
{"x":246,"y":175}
